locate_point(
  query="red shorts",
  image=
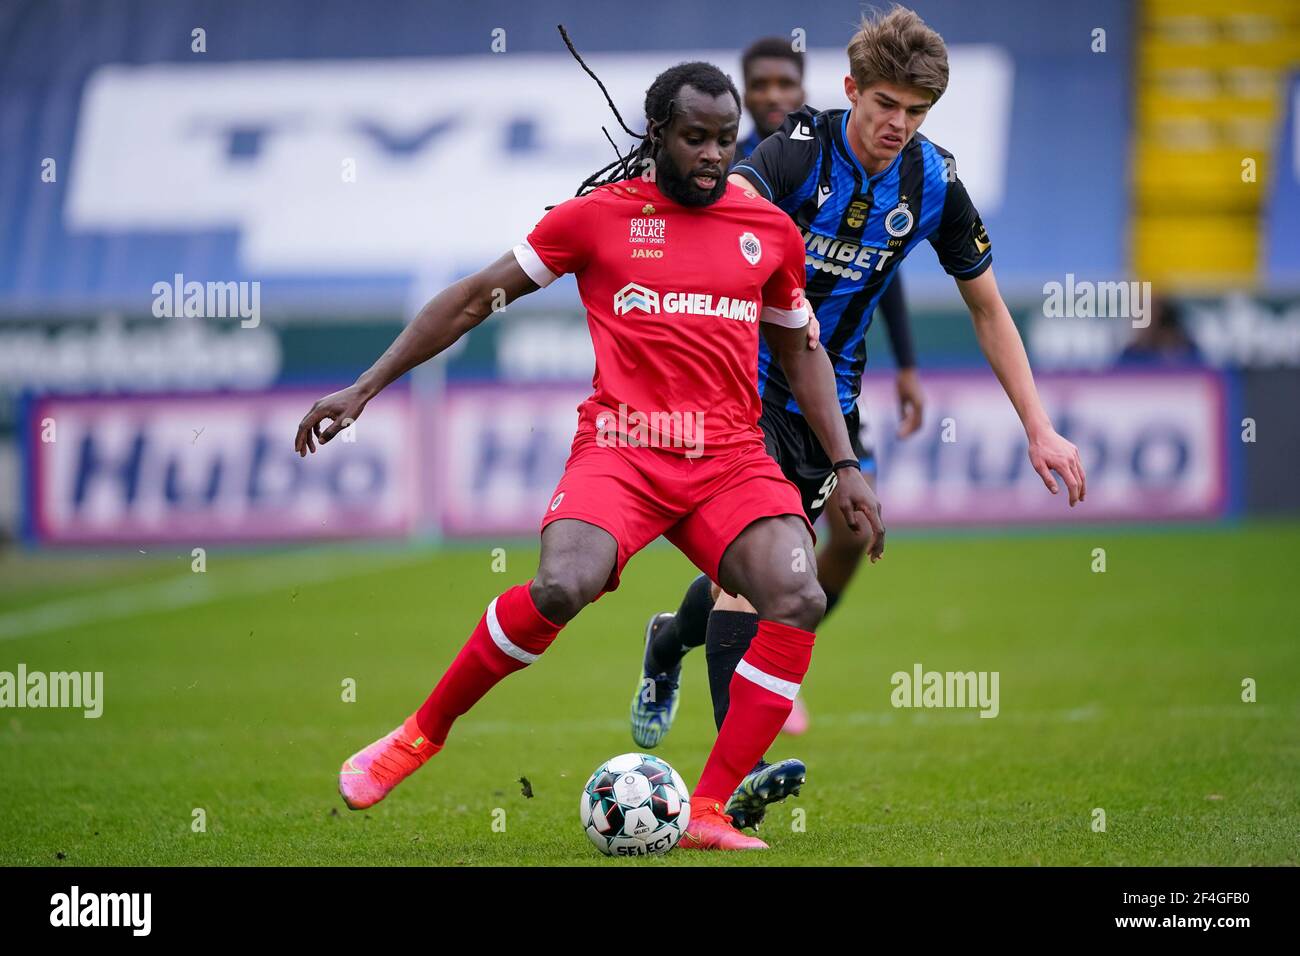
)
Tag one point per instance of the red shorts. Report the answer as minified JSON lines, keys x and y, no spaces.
{"x":699,"y":504}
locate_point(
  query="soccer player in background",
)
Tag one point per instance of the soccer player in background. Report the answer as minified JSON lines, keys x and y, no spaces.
{"x":773,"y":75}
{"x":676,"y":343}
{"x":864,"y":187}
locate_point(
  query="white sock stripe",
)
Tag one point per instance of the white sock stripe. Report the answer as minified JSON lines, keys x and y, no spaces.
{"x":787,"y":689}
{"x":500,"y":640}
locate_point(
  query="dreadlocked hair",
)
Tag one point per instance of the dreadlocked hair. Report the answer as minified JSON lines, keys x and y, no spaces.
{"x":660,"y":107}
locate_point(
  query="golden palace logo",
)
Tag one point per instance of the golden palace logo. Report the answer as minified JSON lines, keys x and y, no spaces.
{"x":643,"y":230}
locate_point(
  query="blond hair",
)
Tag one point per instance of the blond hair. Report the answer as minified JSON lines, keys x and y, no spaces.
{"x":897,"y":47}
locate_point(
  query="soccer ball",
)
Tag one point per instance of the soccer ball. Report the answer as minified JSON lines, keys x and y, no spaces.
{"x":634,"y":805}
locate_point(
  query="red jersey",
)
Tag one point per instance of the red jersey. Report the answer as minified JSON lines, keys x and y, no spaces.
{"x":674,"y":295}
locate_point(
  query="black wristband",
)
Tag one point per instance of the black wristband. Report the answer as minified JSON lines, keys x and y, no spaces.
{"x":847,"y":463}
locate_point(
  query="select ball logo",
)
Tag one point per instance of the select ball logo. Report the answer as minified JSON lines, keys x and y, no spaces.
{"x":634,"y":805}
{"x":633,"y":790}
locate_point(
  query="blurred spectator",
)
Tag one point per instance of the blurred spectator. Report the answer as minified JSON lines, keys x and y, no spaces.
{"x":1164,"y":341}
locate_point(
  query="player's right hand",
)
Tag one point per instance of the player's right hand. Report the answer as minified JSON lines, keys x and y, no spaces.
{"x":911,"y":402}
{"x":1051,"y":453}
{"x":857,"y":500}
{"x":342,"y":408}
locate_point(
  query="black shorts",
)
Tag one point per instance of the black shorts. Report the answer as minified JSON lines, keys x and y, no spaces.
{"x":791,"y":441}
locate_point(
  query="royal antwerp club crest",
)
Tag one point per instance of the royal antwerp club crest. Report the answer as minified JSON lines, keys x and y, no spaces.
{"x":751,"y":248}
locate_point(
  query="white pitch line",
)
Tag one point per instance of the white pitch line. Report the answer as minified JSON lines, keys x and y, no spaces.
{"x":185,"y":591}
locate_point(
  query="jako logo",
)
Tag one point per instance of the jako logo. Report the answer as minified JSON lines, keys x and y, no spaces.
{"x":102,"y":909}
{"x":633,"y":296}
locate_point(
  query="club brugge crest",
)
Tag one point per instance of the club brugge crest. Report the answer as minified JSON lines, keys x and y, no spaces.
{"x":898,"y":221}
{"x":751,"y":248}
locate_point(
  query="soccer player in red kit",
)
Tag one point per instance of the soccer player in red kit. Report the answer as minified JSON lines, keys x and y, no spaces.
{"x":677,"y":275}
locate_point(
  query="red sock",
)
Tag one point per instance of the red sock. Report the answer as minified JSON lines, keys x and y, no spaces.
{"x":762,"y":690}
{"x":510,"y":635}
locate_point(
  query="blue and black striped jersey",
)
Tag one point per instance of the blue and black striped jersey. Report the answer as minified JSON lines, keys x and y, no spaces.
{"x":856,"y":229}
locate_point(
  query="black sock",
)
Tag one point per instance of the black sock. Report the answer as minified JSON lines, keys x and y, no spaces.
{"x":832,"y":599}
{"x":686,"y":630}
{"x":729,"y":635}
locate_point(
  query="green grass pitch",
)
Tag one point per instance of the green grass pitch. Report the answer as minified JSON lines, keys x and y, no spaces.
{"x":223,"y":692}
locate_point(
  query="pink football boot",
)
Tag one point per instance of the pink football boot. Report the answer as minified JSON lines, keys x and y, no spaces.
{"x":368,"y":775}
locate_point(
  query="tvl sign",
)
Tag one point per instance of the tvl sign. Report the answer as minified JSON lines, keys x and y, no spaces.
{"x":360,"y":167}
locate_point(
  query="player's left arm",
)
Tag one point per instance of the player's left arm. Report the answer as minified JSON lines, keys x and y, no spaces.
{"x":1000,"y":341}
{"x":966,"y":253}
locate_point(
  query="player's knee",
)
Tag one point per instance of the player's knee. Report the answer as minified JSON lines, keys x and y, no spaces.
{"x":814,"y":606}
{"x":802,"y":604}
{"x":561,"y":593}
